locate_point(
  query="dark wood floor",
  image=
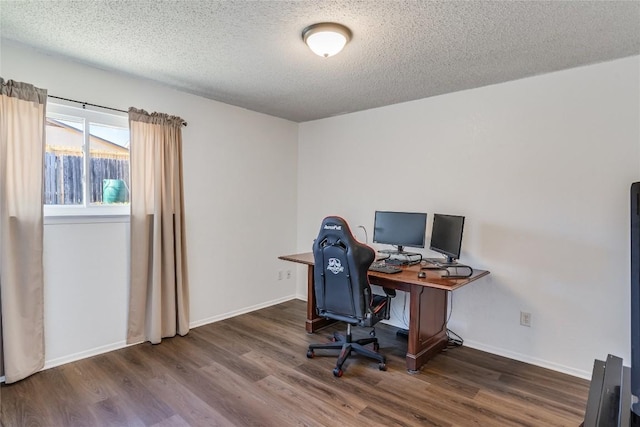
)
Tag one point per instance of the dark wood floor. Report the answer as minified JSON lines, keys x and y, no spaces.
{"x":252,"y":370}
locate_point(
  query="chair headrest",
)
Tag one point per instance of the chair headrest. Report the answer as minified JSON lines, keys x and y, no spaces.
{"x":335,"y":228}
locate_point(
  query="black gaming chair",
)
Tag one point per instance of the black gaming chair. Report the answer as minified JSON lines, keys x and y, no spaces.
{"x":342,"y":290}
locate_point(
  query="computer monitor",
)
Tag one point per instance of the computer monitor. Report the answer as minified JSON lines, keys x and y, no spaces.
{"x":400,"y":229}
{"x":446,"y":236}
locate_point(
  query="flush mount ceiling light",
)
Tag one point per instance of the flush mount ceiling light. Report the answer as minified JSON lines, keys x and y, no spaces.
{"x":327,"y":38}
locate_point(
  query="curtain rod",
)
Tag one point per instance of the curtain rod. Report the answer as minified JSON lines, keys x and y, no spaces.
{"x":84,"y":104}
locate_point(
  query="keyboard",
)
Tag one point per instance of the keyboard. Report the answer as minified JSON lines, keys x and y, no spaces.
{"x":389,"y":269}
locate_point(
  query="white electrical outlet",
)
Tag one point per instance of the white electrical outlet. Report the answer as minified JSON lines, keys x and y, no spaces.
{"x":525,"y":319}
{"x":288,"y":274}
{"x":280,"y":274}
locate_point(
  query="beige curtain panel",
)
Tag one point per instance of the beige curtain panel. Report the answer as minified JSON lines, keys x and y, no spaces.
{"x":159,"y":293}
{"x":22,"y":136}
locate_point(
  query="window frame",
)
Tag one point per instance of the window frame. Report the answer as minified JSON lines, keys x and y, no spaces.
{"x":89,"y":116}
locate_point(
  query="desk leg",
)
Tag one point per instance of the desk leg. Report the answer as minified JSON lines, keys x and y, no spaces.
{"x":427,"y":325}
{"x":314,"y":322}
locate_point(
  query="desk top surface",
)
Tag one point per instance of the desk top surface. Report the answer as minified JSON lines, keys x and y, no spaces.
{"x":408,"y":275}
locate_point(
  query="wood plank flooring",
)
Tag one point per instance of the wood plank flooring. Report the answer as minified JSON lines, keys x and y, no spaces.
{"x":252,"y":370}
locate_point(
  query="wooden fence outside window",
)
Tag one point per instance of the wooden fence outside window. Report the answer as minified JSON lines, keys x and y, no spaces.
{"x":63,"y":176}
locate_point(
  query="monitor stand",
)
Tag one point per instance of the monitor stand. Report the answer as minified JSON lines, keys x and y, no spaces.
{"x":399,"y":251}
{"x":442,"y":262}
{"x":400,"y":257}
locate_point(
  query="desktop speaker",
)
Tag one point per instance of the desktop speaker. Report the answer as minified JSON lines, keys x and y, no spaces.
{"x":635,"y":299}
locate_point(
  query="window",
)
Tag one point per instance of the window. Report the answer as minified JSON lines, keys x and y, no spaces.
{"x":86,"y":162}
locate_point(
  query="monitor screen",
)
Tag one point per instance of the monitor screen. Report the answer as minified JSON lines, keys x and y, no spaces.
{"x":446,"y":235}
{"x":400,"y":229}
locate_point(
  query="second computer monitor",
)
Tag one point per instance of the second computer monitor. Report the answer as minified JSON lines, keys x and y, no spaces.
{"x":446,"y":235}
{"x":400,"y":229}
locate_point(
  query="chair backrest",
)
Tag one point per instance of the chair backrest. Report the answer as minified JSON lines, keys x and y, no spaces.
{"x":341,"y":284}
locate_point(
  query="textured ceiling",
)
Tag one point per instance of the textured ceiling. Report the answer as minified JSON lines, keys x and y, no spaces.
{"x":250,"y":53}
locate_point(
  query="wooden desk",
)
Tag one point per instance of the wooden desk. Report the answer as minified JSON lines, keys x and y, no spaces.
{"x":428,"y":299}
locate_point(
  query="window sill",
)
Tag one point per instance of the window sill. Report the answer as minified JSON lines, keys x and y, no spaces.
{"x":85,"y":215}
{"x":85,"y":219}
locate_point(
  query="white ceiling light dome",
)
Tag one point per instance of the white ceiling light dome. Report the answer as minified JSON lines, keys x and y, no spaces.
{"x":326,"y":38}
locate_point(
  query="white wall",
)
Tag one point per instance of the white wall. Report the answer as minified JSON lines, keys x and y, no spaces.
{"x":540,"y":167}
{"x":240,"y":199}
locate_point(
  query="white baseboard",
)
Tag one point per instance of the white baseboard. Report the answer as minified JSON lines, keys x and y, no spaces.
{"x":479,"y":346}
{"x":528,"y":359}
{"x":238,"y":312}
{"x":48,"y":364}
{"x":504,"y":353}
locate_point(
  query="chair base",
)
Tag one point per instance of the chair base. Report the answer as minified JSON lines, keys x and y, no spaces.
{"x":346,"y":346}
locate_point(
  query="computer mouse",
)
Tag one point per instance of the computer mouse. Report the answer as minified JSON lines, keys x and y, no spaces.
{"x":422,"y":275}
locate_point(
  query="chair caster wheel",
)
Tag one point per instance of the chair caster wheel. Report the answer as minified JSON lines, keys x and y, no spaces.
{"x":310,"y":354}
{"x":373,"y":333}
{"x":337,"y":372}
{"x":382,"y":367}
{"x":376,"y":347}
